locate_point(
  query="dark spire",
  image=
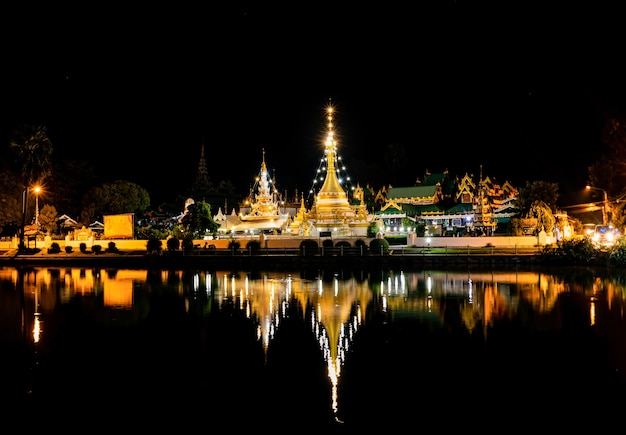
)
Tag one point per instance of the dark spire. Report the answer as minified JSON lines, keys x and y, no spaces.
{"x":202,"y":186}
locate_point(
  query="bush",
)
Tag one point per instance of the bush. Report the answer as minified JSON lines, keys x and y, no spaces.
{"x":253,"y":246}
{"x":112,"y":247}
{"x":308,"y":247}
{"x":83,"y":247}
{"x":173,"y":244}
{"x":359,"y":242}
{"x":327,"y":243}
{"x":573,"y":251}
{"x":234,"y":246}
{"x":379,"y":247}
{"x":154,"y":246}
{"x":54,"y":248}
{"x":69,"y":249}
{"x":617,"y":254}
{"x":97,"y":249}
{"x":187,"y":244}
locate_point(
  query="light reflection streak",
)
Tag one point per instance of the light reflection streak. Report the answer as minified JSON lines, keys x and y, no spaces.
{"x":37,"y":328}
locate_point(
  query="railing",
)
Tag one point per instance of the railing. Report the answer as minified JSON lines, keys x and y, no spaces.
{"x":341,"y":251}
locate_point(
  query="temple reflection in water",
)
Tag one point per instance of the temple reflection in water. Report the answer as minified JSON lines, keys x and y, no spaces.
{"x":335,"y":306}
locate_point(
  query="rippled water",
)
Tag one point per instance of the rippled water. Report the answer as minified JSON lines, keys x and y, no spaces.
{"x":299,"y":350}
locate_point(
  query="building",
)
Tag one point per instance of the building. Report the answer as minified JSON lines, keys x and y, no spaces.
{"x":332,"y":214}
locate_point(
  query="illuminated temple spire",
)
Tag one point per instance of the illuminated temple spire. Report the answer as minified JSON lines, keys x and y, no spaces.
{"x":331,"y":211}
{"x":331,"y":184}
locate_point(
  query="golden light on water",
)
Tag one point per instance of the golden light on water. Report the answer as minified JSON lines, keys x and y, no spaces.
{"x":337,"y":305}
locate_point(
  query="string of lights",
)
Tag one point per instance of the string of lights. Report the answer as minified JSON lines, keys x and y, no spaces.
{"x":330,"y":151}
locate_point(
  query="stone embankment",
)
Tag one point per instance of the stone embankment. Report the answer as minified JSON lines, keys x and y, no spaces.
{"x":241,"y":259}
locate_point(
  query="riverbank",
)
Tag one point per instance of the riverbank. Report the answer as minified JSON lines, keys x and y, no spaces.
{"x":276,"y":259}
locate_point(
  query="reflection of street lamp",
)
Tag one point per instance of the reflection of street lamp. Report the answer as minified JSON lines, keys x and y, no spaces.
{"x":605,"y":206}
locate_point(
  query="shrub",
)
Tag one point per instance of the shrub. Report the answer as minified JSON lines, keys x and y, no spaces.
{"x":362,"y":245}
{"x":154,"y":246}
{"x":360,"y":242}
{"x":187,"y":244}
{"x":327,"y":243}
{"x":308,"y":247}
{"x":379,"y":247}
{"x":253,"y":246}
{"x":97,"y":249}
{"x":234,"y":245}
{"x":112,"y":247}
{"x":83,"y":247}
{"x":173,"y":244}
{"x":69,"y":249}
{"x":54,"y":248}
{"x":617,"y":255}
{"x":372,"y":229}
{"x":573,"y":251}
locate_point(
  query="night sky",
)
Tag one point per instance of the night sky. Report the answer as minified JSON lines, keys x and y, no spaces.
{"x":521,"y":90}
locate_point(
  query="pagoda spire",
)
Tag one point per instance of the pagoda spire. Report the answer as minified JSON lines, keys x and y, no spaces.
{"x":331,"y":183}
{"x":202,"y":184}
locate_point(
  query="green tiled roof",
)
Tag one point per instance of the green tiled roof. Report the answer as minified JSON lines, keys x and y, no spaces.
{"x":391,"y":211}
{"x":412,"y":192}
{"x":460,"y":208}
{"x":416,"y":210}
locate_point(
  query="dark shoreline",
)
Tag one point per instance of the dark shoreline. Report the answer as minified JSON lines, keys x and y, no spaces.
{"x":294,"y":260}
{"x":266,"y":261}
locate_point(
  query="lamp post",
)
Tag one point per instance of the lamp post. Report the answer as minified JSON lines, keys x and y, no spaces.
{"x":24,"y":201}
{"x":605,"y":205}
{"x":37,"y":190}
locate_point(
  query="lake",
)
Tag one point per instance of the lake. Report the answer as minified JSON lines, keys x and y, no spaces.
{"x":490,"y":350}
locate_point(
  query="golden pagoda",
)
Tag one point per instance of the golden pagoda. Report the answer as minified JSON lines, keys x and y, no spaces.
{"x":299,"y":226}
{"x":264,"y":213}
{"x":331,"y":212}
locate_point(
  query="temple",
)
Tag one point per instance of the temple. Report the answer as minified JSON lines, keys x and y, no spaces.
{"x":331,"y":212}
{"x":261,"y":211}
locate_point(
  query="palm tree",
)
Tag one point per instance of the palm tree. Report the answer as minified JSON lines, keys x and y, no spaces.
{"x":32,"y":151}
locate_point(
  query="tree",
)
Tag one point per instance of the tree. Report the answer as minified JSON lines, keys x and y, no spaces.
{"x":608,"y":173}
{"x":48,"y":219}
{"x":542,"y":191}
{"x":538,"y":200}
{"x":10,"y":200}
{"x":68,"y":183}
{"x":114,"y":198}
{"x":198,"y":219}
{"x":31,"y":149}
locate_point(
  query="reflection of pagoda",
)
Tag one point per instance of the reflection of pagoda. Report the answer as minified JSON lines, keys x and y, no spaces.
{"x":336,"y":316}
{"x":331,"y":211}
{"x":483,"y":214}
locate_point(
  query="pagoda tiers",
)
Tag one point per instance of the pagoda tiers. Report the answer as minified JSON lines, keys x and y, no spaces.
{"x":331,"y":212}
{"x":264,"y":213}
{"x":300,"y":226}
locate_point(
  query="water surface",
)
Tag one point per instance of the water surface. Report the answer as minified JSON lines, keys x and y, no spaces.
{"x":302,"y":350}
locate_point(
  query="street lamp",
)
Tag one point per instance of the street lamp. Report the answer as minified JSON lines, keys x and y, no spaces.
{"x":24,"y":201}
{"x":605,"y":206}
{"x":37,"y":190}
